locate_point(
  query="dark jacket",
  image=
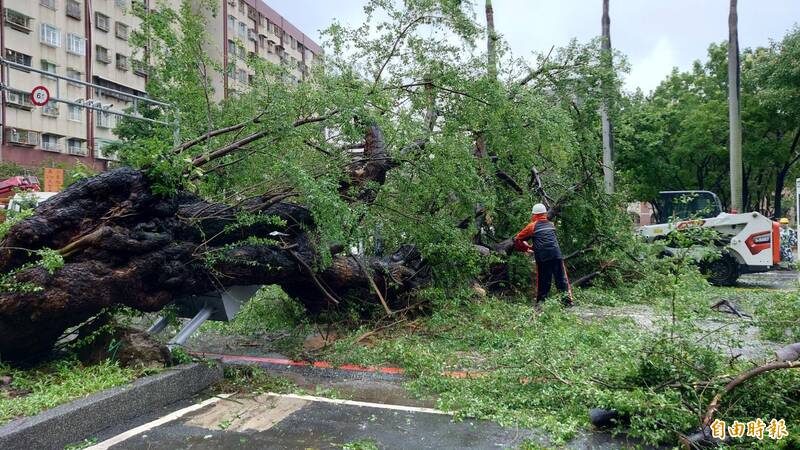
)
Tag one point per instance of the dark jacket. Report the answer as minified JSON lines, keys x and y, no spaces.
{"x":545,"y":243}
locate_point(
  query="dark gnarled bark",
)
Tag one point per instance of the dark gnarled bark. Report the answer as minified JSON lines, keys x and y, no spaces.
{"x":124,"y":245}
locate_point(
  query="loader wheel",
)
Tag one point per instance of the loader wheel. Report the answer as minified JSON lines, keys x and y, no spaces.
{"x":723,"y":271}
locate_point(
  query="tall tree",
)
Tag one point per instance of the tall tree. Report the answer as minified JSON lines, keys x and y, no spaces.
{"x":734,"y":112}
{"x":608,"y":139}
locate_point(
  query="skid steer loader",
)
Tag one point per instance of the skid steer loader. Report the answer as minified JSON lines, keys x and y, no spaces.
{"x":747,"y":242}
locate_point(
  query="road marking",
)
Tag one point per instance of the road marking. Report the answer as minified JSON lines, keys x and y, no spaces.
{"x":105,"y":445}
{"x":158,"y":422}
{"x":363,"y":404}
{"x":247,"y":414}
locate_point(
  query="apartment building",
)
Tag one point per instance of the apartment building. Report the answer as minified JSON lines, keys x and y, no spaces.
{"x":251,"y":27}
{"x":87,"y":40}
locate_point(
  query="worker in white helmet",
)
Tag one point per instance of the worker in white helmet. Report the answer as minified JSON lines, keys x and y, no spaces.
{"x":547,"y":252}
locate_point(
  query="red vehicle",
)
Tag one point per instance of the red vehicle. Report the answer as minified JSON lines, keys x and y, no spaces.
{"x":21,"y":183}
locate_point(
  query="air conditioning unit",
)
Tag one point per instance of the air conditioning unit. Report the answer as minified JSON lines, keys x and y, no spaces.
{"x":251,"y":34}
{"x":14,"y":97}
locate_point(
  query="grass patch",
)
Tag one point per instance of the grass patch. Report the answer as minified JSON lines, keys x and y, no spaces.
{"x":33,"y":391}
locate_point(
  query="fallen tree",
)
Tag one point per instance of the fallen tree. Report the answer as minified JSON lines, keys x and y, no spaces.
{"x":122,"y":244}
{"x":271,"y":185}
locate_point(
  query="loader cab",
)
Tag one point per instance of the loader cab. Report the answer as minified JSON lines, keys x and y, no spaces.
{"x":682,"y":205}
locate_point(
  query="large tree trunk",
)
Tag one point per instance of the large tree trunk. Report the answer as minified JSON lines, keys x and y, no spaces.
{"x":125,"y":245}
{"x":734,"y":113}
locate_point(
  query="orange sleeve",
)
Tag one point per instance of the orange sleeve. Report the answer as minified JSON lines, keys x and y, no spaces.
{"x":525,"y":233}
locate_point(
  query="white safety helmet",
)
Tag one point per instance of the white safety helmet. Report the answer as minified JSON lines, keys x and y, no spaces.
{"x":539,"y":209}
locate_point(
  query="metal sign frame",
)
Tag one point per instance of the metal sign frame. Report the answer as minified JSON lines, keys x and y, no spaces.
{"x":90,"y":104}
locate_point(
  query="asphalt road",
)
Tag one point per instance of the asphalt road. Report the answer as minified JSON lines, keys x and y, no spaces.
{"x":301,"y":422}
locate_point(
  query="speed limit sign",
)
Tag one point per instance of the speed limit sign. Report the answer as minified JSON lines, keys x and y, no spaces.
{"x":40,"y":95}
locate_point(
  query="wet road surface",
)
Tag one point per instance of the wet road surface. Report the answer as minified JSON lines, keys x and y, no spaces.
{"x":291,"y":422}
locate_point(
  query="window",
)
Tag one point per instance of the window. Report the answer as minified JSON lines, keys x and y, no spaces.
{"x":48,"y":67}
{"x":233,"y":49}
{"x":48,"y":4}
{"x":17,"y":57}
{"x":76,"y":44}
{"x":75,"y":147}
{"x":73,"y":9}
{"x":231,"y":22}
{"x":101,"y":54}
{"x":121,"y":31}
{"x":19,"y":99}
{"x":122,"y":62}
{"x":251,"y":12}
{"x":19,"y":136}
{"x":242,"y":30}
{"x":103,"y":120}
{"x":18,"y":21}
{"x":74,"y":74}
{"x":139,"y":68}
{"x":122,"y":4}
{"x":241,"y":6}
{"x":50,"y":143}
{"x":102,"y":21}
{"x":241,"y":75}
{"x":49,"y":35}
{"x":75,"y":113}
{"x":50,"y":109}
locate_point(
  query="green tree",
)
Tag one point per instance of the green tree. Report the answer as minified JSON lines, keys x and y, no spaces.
{"x":677,"y":137}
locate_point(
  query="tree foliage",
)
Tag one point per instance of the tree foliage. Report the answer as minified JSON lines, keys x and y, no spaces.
{"x":677,"y":137}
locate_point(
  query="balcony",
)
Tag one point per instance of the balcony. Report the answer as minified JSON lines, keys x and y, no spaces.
{"x":75,"y":147}
{"x":20,"y":137}
{"x":50,"y":143}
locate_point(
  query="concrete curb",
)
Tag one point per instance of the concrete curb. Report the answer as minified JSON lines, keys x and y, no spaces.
{"x":85,"y":417}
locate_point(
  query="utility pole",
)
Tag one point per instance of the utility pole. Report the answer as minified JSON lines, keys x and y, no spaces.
{"x":734,"y":112}
{"x":491,"y":42}
{"x":608,"y":138}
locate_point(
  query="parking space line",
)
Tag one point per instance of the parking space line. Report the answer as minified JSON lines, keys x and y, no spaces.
{"x":364,"y":404}
{"x":155,"y":423}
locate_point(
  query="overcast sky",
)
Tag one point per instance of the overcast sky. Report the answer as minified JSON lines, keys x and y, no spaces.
{"x":656,"y":35}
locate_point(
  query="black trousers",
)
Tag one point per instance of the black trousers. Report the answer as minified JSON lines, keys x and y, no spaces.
{"x":546,"y":271}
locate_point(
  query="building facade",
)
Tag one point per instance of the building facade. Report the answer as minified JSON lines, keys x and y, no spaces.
{"x":87,"y":40}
